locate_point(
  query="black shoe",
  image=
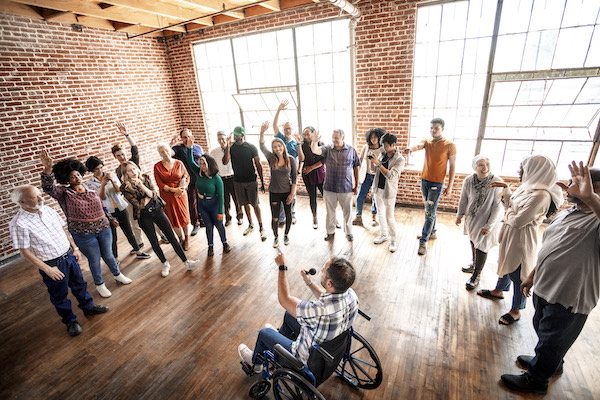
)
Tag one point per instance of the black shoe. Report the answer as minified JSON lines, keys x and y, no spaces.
{"x":349,"y":237}
{"x":472,"y":283}
{"x":97,"y":309}
{"x":227,"y":221}
{"x":74,"y":328}
{"x":524,"y":362}
{"x":132,"y":252}
{"x":226,"y":247}
{"x":329,"y":237}
{"x":468,"y":269}
{"x":142,"y":256}
{"x":211,"y":251}
{"x":523,"y":383}
{"x":195,"y":230}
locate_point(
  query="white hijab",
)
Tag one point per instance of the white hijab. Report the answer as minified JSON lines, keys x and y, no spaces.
{"x":539,"y":173}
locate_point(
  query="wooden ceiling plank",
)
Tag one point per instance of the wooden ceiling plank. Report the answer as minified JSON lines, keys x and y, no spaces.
{"x":253,"y":11}
{"x":20,"y":9}
{"x":272,"y":5}
{"x":113,"y":13}
{"x":159,"y":8}
{"x":285,"y":4}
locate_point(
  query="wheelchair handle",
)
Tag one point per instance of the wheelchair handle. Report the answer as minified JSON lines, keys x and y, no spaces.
{"x":365,"y":316}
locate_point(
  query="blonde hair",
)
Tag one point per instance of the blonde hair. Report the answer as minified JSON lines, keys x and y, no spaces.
{"x":125,"y":177}
{"x":163,"y":145}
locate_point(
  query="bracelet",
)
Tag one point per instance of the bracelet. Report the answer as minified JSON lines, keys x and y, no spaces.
{"x":282,"y":267}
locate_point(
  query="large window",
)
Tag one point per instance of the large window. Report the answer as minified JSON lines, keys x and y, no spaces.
{"x":542,"y":94}
{"x":242,"y":80}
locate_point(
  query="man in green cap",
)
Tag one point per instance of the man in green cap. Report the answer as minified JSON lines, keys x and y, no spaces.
{"x":246,"y":163}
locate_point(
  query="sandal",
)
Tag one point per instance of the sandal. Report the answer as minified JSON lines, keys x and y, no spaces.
{"x":487,"y":294}
{"x":507,"y":319}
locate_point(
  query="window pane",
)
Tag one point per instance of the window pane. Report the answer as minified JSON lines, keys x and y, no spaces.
{"x":324,"y":68}
{"x":549,"y":149}
{"x":590,"y":92}
{"x":323,"y":38}
{"x":580,"y":12}
{"x":539,"y":50}
{"x":285,"y":44}
{"x":304,"y":40}
{"x":572,"y":47}
{"x":516,"y":151}
{"x":340,"y":35}
{"x":481,"y":18}
{"x":532,"y":92}
{"x":449,"y":62}
{"x":504,"y":93}
{"x":552,"y":116}
{"x":509,"y":52}
{"x":593,"y":57}
{"x":564,"y":91}
{"x":515,"y":16}
{"x":454,"y":16}
{"x":546,"y":14}
{"x":522,"y":116}
{"x":428,"y":23}
{"x":572,"y":152}
{"x":494,"y":150}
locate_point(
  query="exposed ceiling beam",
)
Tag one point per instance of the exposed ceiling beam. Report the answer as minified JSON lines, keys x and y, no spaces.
{"x":211,"y":6}
{"x":20,"y":9}
{"x":272,"y":5}
{"x":112,"y":13}
{"x":285,"y":4}
{"x":256,"y":10}
{"x":159,"y":8}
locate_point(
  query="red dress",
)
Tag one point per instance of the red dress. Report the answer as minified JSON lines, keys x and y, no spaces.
{"x":177,"y":207}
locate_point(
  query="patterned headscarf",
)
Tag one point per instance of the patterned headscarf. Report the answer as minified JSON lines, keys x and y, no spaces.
{"x":482,"y":188}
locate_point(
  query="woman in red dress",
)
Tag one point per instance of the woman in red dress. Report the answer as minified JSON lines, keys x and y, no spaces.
{"x":172,"y":179}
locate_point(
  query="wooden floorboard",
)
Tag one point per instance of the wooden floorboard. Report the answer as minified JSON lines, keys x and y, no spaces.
{"x":177,"y":337}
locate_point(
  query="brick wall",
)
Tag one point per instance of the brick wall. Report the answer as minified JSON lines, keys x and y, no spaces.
{"x":64,"y":91}
{"x":384,"y":44}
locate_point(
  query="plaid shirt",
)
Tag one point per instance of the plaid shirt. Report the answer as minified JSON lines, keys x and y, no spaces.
{"x":41,"y":232}
{"x":323,"y":319}
{"x":340,"y":164}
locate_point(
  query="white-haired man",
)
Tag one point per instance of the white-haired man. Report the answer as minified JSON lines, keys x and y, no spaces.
{"x":37,"y":232}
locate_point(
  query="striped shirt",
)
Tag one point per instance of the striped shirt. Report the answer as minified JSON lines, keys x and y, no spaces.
{"x":42,"y":232}
{"x":323,"y":319}
{"x":113,"y":200}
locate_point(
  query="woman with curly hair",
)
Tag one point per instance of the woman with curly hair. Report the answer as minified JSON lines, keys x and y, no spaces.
{"x":282,"y":186}
{"x":210,"y":189}
{"x":87,"y":219}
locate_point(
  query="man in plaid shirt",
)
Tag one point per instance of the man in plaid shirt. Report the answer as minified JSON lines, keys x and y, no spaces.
{"x":37,"y":231}
{"x":307,"y":323}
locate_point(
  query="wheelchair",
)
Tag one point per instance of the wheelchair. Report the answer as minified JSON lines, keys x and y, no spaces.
{"x":349,"y":355}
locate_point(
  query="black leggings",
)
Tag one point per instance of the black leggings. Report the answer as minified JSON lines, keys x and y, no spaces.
{"x":479,"y":259}
{"x":312,"y":195}
{"x":158,"y":217}
{"x":123,"y":218}
{"x":276,"y":200}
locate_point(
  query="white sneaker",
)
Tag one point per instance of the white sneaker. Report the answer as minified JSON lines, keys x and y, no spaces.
{"x":165,"y":269}
{"x":246,"y":356}
{"x":122,"y":279}
{"x":381,"y":239}
{"x":248,"y":230}
{"x":103,"y":290}
{"x":393,"y":246}
{"x":191,"y":264}
{"x":269,"y":326}
{"x":276,"y":242}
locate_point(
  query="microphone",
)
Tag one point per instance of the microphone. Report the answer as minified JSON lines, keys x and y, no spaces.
{"x":311,"y":271}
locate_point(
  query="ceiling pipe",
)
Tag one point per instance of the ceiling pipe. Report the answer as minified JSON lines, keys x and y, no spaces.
{"x":350,"y":8}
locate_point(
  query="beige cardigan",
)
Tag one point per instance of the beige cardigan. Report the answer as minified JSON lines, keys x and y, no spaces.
{"x":519,"y":234}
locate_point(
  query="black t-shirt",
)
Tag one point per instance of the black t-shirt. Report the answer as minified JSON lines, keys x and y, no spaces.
{"x":242,"y":161}
{"x":385,"y":161}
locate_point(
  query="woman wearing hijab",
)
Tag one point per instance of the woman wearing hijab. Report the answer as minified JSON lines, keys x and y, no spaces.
{"x":480,"y":206}
{"x":526,"y":209}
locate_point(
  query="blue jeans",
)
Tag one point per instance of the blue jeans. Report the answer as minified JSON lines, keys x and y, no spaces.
{"x":557,"y":329}
{"x":432,"y":191}
{"x":209,"y":210}
{"x":95,"y":246}
{"x":59,"y":290}
{"x":268,"y":338}
{"x":518,"y":300}
{"x":362,"y":195}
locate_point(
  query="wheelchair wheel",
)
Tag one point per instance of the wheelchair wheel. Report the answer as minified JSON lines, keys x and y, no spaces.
{"x":259,"y":390}
{"x":290,"y":385}
{"x":361,"y":366}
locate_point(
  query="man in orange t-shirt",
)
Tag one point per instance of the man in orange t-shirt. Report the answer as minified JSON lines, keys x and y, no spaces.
{"x":439,"y":152}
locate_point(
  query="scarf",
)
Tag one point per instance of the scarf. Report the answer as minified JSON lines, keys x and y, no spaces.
{"x":482,"y":188}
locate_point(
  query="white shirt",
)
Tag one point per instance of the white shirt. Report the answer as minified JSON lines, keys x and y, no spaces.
{"x":42,"y":232}
{"x":225,"y":170}
{"x":113,"y":199}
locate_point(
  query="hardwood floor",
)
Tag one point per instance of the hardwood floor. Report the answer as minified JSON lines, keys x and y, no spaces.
{"x":177,"y":337}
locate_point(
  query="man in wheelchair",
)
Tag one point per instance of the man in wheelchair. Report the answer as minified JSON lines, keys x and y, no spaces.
{"x":308,"y":322}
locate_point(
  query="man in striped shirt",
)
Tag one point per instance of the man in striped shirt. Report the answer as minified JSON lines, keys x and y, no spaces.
{"x":37,"y":231}
{"x":307,"y":323}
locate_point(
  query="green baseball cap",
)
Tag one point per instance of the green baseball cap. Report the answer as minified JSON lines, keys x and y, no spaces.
{"x":239,"y":131}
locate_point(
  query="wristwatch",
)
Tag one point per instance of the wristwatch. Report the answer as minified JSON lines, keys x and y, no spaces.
{"x":282,"y":267}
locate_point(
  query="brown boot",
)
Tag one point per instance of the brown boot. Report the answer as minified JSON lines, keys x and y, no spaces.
{"x":357,"y":221}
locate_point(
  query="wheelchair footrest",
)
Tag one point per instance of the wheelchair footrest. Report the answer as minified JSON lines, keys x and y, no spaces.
{"x":248,"y":369}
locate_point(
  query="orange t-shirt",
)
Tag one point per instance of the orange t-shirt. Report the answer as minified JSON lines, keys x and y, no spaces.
{"x":436,"y":159}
